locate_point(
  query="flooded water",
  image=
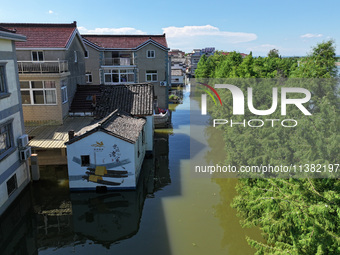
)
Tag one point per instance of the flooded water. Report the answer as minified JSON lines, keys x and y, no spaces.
{"x":170,"y":212}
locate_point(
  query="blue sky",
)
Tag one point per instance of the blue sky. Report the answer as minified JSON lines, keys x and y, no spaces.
{"x":293,"y":27}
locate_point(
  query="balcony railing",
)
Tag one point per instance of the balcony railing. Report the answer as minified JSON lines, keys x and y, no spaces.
{"x":59,"y":66}
{"x":118,"y":61}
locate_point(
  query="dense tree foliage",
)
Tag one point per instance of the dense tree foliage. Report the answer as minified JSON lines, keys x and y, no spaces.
{"x":296,"y":215}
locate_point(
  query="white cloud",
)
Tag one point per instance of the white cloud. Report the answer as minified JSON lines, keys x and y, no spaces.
{"x":120,"y":31}
{"x":208,"y":30}
{"x":311,"y":36}
{"x":50,"y":12}
{"x":188,"y":38}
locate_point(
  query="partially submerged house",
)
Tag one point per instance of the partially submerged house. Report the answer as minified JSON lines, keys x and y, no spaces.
{"x":14,"y":149}
{"x":108,"y":153}
{"x":134,"y":99}
{"x":129,"y":59}
{"x":51,"y":62}
{"x":111,"y":151}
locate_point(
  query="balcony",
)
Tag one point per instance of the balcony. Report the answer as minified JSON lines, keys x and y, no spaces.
{"x":118,"y":61}
{"x":60,"y":66}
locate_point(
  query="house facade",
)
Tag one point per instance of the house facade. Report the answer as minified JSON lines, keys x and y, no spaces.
{"x":108,"y":153}
{"x":50,"y":64}
{"x":129,"y":59}
{"x":14,"y":152}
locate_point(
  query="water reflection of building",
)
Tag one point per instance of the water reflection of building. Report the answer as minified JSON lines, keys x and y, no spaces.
{"x":17,"y":234}
{"x":162,"y":172}
{"x":109,"y":217}
{"x":47,"y":218}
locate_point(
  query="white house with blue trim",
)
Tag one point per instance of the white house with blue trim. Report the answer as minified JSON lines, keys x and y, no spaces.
{"x":14,"y":152}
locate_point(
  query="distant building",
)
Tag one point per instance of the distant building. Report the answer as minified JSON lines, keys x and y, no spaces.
{"x":177,"y":77}
{"x":14,"y":152}
{"x":50,"y":64}
{"x":129,"y":59}
{"x":175,"y":53}
{"x":195,"y":58}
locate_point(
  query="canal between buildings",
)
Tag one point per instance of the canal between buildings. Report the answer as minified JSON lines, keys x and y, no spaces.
{"x":171,"y":212}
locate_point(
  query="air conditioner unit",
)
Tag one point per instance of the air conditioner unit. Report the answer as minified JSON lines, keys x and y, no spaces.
{"x":162,"y":83}
{"x":25,"y":153}
{"x":23,"y":141}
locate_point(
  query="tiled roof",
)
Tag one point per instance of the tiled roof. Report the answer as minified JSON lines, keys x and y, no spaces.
{"x":124,"y":41}
{"x":136,"y":99}
{"x":6,"y":30}
{"x":43,"y":35}
{"x":118,"y":124}
{"x":176,"y":72}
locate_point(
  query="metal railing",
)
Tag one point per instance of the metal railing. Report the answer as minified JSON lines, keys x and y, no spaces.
{"x":118,"y":61}
{"x":59,"y":66}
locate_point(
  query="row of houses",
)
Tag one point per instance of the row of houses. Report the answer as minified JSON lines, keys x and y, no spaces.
{"x":55,"y":58}
{"x":42,"y":66}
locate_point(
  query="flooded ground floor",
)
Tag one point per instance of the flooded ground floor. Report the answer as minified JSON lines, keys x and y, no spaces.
{"x":170,"y":212}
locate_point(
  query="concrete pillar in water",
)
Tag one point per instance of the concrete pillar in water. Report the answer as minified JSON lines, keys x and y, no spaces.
{"x":35,"y":167}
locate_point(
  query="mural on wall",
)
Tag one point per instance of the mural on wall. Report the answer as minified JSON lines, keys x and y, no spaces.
{"x":98,"y":170}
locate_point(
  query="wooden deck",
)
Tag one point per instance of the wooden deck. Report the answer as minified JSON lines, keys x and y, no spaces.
{"x":54,"y":137}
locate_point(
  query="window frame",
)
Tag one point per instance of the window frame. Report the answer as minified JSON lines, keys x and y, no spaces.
{"x":15,"y":180}
{"x":11,"y":148}
{"x":64,"y":97}
{"x":151,"y":73}
{"x":119,"y":72}
{"x":38,"y":57}
{"x":3,"y":81}
{"x":149,"y":55}
{"x":89,"y":77}
{"x":43,"y":89}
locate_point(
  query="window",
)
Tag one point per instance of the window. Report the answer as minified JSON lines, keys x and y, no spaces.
{"x":114,"y":76}
{"x":3,"y":86}
{"x":85,"y":160}
{"x":12,"y":185}
{"x":88,"y":77}
{"x":75,"y":56}
{"x":38,"y":92}
{"x":37,"y":56}
{"x":151,"y":75}
{"x":6,"y":139}
{"x":64,"y":97}
{"x":86,"y":54}
{"x":150,"y":54}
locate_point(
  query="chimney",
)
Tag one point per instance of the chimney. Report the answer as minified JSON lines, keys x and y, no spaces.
{"x":70,"y":135}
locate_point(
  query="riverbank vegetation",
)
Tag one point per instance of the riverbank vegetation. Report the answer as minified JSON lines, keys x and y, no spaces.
{"x":296,"y":215}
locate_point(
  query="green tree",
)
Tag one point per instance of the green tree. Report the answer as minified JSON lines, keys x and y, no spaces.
{"x":273,"y":53}
{"x":296,"y":215}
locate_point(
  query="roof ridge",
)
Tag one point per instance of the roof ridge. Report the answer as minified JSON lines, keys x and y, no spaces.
{"x":73,"y":24}
{"x":121,"y":35}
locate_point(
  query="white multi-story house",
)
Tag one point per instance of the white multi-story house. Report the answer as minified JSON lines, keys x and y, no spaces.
{"x":14,"y":152}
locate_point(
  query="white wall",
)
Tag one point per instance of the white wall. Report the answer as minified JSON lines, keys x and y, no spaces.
{"x":11,"y":164}
{"x":103,"y":156}
{"x":149,"y":129}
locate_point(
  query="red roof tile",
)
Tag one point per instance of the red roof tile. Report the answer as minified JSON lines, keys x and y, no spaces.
{"x":124,"y":41}
{"x":42,"y":35}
